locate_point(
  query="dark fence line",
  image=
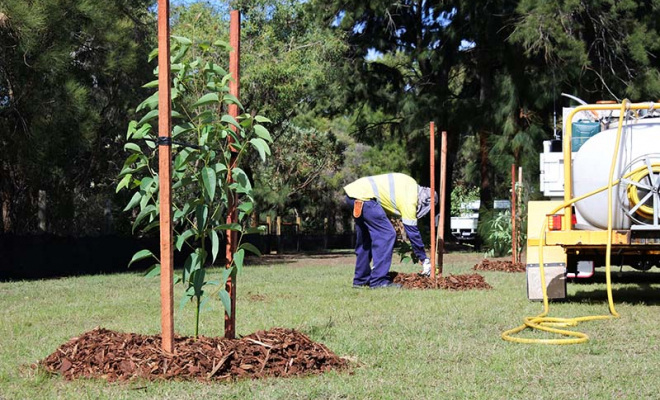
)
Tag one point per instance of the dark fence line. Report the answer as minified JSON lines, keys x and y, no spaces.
{"x":50,"y":256}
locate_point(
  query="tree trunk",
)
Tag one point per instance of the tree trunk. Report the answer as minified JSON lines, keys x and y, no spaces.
{"x":6,"y":214}
{"x":41,"y":213}
{"x":485,"y":193}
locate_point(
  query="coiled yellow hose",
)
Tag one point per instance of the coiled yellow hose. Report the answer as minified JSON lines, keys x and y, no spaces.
{"x":549,"y":324}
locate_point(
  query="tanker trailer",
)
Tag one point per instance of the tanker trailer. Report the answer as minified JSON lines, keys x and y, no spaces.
{"x":573,"y":227}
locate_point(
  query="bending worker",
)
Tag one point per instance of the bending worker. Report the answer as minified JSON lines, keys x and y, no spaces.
{"x":371,"y":199}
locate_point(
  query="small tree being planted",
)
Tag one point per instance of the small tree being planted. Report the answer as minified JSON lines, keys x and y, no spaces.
{"x":203,"y":162}
{"x":209,"y":146}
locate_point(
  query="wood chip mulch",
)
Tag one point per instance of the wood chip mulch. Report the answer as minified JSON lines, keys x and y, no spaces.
{"x":116,"y":356}
{"x":497,"y":265}
{"x":450,"y":282}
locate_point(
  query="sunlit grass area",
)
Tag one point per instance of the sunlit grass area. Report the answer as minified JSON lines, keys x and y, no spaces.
{"x":404,"y":344}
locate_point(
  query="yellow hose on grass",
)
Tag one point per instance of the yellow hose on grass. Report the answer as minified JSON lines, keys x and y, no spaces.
{"x":544,"y":323}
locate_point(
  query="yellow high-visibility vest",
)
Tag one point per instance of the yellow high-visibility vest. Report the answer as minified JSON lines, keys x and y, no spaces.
{"x":396,"y":193}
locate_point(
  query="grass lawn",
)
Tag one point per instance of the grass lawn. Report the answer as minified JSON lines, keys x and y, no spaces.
{"x":406,"y":344}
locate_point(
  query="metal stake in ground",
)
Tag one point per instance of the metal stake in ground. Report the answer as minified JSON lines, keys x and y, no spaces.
{"x":234,"y":88}
{"x":165,"y":178}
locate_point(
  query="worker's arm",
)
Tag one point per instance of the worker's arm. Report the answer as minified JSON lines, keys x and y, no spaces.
{"x":415,"y":240}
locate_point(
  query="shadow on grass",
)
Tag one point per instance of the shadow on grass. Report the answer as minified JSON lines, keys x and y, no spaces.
{"x":315,"y":258}
{"x":639,"y":288}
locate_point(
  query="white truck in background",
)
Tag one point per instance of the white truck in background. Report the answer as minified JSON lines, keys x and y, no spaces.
{"x":464,"y":226}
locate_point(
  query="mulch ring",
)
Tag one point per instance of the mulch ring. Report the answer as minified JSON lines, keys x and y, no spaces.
{"x":499,"y":265}
{"x":116,"y":356}
{"x":450,"y":282}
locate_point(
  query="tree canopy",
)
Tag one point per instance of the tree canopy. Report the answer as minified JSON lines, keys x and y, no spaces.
{"x":69,"y":72}
{"x":349,"y":85}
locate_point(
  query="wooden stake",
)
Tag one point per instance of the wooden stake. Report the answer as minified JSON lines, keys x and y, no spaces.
{"x":432,"y":178}
{"x":165,"y":178}
{"x":232,"y":214}
{"x":443,"y":196}
{"x":513,"y":213}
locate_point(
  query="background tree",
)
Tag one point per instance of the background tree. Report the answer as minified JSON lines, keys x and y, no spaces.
{"x":68,"y":73}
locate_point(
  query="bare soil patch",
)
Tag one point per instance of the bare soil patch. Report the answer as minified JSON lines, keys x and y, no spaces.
{"x":450,"y":282}
{"x":116,"y":356}
{"x":499,"y":265}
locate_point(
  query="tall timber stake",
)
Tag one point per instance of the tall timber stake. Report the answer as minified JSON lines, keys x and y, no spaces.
{"x":513,"y":214}
{"x":432,"y":178}
{"x":443,"y":196}
{"x":165,"y":177}
{"x":232,"y":215}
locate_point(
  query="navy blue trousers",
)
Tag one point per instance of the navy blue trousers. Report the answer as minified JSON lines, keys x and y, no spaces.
{"x":375,"y":239}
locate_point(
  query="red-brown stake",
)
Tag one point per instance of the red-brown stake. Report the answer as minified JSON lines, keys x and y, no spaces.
{"x":513,"y":213}
{"x":443,"y":189}
{"x":234,"y":89}
{"x":432,"y":158}
{"x":165,"y":178}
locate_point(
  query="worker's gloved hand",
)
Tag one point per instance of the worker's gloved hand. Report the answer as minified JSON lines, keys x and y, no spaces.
{"x":426,"y":271}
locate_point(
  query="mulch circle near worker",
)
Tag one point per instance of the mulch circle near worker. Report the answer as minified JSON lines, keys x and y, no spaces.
{"x":372,"y":199}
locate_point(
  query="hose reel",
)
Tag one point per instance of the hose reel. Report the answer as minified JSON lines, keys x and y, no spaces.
{"x":642,"y":190}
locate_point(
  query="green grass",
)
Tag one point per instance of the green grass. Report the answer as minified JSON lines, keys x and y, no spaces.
{"x":407,"y":344}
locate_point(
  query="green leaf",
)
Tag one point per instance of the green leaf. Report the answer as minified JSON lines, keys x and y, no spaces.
{"x":226,"y":273}
{"x":262,"y":120}
{"x":215,"y":245}
{"x":151,"y":102}
{"x":223,"y":44}
{"x":208,"y":98}
{"x":231,"y":99}
{"x":217,"y":87}
{"x":146,"y":184}
{"x":150,"y":115}
{"x":209,"y":179}
{"x":187,"y":296}
{"x":137,"y":196}
{"x":144,"y":130}
{"x":226,"y":301}
{"x":229,"y":227}
{"x":263,"y":133}
{"x":124,"y":182}
{"x":147,"y":211}
{"x":141,"y":255}
{"x":238,"y":259}
{"x":261,"y":146}
{"x":242,"y":180}
{"x":201,"y":213}
{"x":182,"y":40}
{"x":220,"y":167}
{"x":230,"y":120}
{"x":181,"y":239}
{"x":197,"y":278}
{"x":246,"y":207}
{"x":182,"y":128}
{"x":131,"y":129}
{"x":154,"y":224}
{"x":151,"y":84}
{"x":250,"y":247}
{"x":153,"y":54}
{"x":256,"y":229}
{"x":153,"y":271}
{"x":214,"y":68}
{"x":193,"y":262}
{"x":182,"y":159}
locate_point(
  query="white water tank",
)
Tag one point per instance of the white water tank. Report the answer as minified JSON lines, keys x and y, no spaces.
{"x":591,"y":166}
